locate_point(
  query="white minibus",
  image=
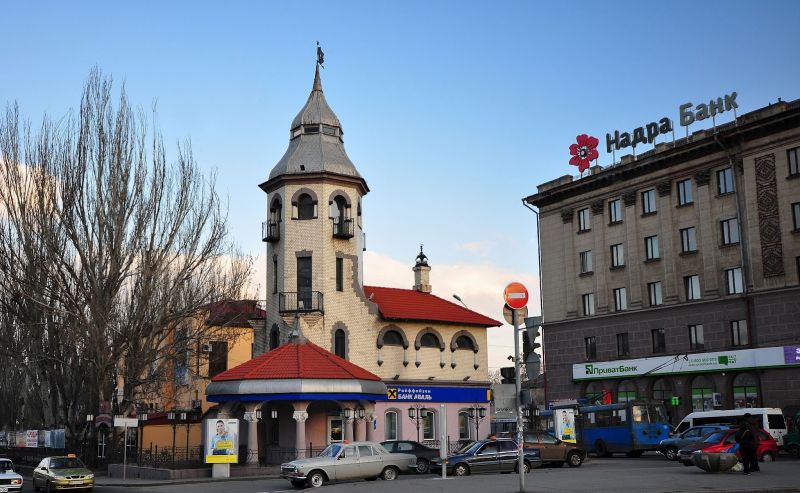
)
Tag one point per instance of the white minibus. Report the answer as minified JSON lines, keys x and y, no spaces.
{"x":769,"y":418}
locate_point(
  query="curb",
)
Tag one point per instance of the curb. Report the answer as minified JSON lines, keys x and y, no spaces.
{"x":144,"y":483}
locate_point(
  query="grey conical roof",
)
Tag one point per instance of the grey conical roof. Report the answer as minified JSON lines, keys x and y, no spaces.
{"x":319,"y":151}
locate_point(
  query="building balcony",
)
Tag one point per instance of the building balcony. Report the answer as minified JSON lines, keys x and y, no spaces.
{"x":302,"y":302}
{"x":270,"y":231}
{"x":342,"y":228}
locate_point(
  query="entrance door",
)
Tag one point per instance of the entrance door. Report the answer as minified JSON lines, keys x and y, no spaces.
{"x":335,"y":429}
{"x":304,"y":273}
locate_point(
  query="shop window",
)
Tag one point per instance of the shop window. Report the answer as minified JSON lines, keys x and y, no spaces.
{"x":429,"y":425}
{"x":390,"y":425}
{"x":745,"y":391}
{"x":626,"y":391}
{"x":463,"y":425}
{"x":702,"y":394}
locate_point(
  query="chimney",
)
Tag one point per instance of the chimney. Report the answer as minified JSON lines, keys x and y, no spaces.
{"x":422,"y":273}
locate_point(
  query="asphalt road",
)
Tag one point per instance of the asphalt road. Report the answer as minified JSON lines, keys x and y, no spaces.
{"x":614,"y":475}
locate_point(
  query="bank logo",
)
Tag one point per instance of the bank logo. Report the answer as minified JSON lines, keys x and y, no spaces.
{"x":621,"y":369}
{"x":391,"y":394}
{"x":726,"y":360}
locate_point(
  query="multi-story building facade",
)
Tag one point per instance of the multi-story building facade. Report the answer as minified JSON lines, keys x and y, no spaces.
{"x":674,"y":275}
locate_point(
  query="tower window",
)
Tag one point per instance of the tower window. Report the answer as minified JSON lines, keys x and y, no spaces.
{"x":340,"y":344}
{"x":306,"y":207}
{"x":339,"y":274}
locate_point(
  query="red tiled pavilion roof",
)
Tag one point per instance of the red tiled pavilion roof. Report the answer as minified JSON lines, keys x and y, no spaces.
{"x":293,"y":360}
{"x":409,"y":304}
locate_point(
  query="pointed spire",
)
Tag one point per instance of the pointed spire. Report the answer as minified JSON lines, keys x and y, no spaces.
{"x":317,"y":81}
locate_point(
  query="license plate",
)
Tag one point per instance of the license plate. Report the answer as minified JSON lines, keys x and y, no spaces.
{"x":76,"y":482}
{"x":3,"y":489}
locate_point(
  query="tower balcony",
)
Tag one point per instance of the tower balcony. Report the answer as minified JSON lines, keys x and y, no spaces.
{"x":270,"y":231}
{"x":302,"y":302}
{"x":342,"y":228}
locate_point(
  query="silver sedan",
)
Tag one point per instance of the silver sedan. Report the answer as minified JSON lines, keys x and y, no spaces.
{"x":347,"y":461}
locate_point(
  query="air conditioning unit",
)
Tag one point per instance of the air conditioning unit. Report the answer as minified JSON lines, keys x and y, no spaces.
{"x":717,"y":399}
{"x":206,"y":348}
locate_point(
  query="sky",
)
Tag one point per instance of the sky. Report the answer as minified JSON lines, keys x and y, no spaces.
{"x":453,"y":111}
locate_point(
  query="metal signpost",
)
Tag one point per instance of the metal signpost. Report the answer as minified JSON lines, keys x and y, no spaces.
{"x":516,"y":297}
{"x":127,"y":423}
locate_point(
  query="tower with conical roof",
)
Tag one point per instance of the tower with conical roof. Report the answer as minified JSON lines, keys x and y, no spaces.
{"x":314,"y":232}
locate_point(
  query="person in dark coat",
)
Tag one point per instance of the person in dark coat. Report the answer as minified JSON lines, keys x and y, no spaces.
{"x":747,"y":438}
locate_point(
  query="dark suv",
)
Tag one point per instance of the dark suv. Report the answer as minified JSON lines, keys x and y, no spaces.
{"x":555,"y":451}
{"x":670,"y":446}
{"x":499,"y":455}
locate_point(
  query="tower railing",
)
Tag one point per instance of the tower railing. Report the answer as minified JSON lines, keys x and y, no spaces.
{"x":342,"y":228}
{"x":270,"y":231}
{"x":300,"y":302}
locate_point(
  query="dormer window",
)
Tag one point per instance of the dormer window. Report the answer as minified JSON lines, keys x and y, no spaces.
{"x":311,"y":129}
{"x":296,"y":132}
{"x":328,"y":130}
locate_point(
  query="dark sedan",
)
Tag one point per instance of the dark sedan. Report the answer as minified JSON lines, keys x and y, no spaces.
{"x":488,"y":456}
{"x":424,"y":454}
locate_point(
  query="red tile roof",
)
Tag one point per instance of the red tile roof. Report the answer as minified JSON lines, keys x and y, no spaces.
{"x":409,"y":304}
{"x":294,"y":360}
{"x":233,"y":313}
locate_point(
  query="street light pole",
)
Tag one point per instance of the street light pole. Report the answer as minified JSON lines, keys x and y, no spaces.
{"x":417,"y":413}
{"x":517,"y":372}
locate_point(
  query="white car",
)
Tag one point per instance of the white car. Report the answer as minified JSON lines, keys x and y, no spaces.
{"x":348,"y":461}
{"x":9,"y":479}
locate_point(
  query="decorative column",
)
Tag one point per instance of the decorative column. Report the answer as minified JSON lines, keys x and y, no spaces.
{"x":347,"y":421}
{"x":359,"y":431}
{"x":369,"y":419}
{"x":300,"y":416}
{"x":252,"y":432}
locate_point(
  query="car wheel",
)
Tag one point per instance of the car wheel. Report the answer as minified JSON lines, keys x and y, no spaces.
{"x":423,"y":466}
{"x":389,"y":474}
{"x":316,"y":479}
{"x":574,"y":459}
{"x":526,"y":468}
{"x":601,"y":448}
{"x":298,"y":483}
{"x":671,"y":453}
{"x":461,"y":470}
{"x":794,"y":451}
{"x":767,"y":457}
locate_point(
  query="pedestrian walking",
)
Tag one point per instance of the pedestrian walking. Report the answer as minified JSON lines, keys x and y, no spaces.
{"x":747,"y":438}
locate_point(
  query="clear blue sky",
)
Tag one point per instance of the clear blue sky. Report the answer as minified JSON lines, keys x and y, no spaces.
{"x":452,"y":111}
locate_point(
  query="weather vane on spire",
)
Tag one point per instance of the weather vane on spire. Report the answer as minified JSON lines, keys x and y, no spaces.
{"x":320,"y":56}
{"x":422,"y":259}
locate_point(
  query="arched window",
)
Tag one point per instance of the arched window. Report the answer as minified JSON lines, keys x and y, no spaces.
{"x":702,"y":394}
{"x":392,"y":338}
{"x":429,"y":340}
{"x":662,"y":390}
{"x":626,"y":391}
{"x":340,"y":343}
{"x":305,"y":207}
{"x":745,"y":391}
{"x":274,"y":337}
{"x":338,"y":209}
{"x":464,"y":342}
{"x":463,"y":425}
{"x":276,"y":211}
{"x":429,"y":425}
{"x":390,"y":425}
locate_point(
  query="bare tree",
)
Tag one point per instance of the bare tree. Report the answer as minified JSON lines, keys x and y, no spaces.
{"x":105,"y":248}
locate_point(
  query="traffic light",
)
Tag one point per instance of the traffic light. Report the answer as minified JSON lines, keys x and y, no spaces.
{"x":533,"y":362}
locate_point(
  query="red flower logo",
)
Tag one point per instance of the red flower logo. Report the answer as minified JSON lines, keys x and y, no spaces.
{"x":583,"y":152}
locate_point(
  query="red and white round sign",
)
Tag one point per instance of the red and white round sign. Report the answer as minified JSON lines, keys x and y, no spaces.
{"x":516,"y":295}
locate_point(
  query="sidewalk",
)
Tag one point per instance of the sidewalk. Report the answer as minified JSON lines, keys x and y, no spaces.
{"x":238,"y":473}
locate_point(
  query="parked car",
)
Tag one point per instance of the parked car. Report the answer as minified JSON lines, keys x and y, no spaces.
{"x":62,"y":473}
{"x":10,"y":480}
{"x":791,"y":441}
{"x":722,"y":440}
{"x":423,"y":453}
{"x":340,"y":461}
{"x":488,"y":456}
{"x":670,"y":446}
{"x":553,"y":450}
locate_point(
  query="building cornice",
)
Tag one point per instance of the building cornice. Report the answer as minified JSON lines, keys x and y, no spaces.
{"x":313,"y":178}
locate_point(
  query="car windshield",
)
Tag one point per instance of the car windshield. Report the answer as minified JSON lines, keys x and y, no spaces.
{"x":651,"y":413}
{"x":467,"y":448}
{"x":65,"y":463}
{"x":331,"y":450}
{"x":715,"y":437}
{"x":5,"y":465}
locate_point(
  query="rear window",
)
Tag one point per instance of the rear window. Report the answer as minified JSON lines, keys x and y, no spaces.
{"x":715,"y":437}
{"x":776,"y":421}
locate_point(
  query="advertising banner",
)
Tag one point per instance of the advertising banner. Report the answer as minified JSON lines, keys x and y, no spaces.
{"x":565,"y":424}
{"x":222,"y":441}
{"x":770,"y":357}
{"x":32,"y":438}
{"x":58,"y":438}
{"x":3,"y":439}
{"x":410,"y":393}
{"x":48,"y":437}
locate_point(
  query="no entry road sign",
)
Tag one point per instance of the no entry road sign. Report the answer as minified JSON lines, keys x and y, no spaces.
{"x":516,"y":295}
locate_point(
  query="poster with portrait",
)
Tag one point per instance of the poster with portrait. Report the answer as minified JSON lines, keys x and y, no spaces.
{"x":565,"y":424}
{"x":222,"y":441}
{"x":32,"y":438}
